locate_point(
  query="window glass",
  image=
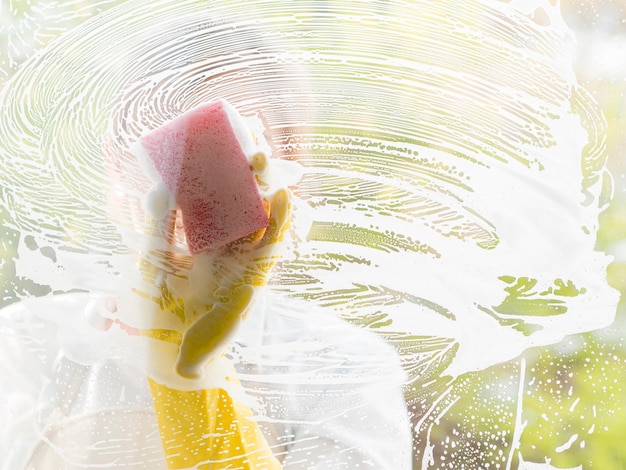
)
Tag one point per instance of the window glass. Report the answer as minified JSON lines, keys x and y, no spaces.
{"x":439,"y":284}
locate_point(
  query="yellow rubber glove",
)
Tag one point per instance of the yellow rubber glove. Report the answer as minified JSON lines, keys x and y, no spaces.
{"x":207,"y":429}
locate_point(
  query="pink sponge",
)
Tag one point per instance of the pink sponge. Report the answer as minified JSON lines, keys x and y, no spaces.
{"x":200,"y":158}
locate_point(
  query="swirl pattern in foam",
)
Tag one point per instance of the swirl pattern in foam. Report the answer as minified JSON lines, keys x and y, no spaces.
{"x":453,"y":169}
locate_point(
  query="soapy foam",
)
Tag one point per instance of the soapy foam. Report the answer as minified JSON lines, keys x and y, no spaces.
{"x":452,"y":169}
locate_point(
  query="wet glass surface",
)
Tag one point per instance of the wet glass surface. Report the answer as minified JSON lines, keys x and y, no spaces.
{"x":459,"y":200}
